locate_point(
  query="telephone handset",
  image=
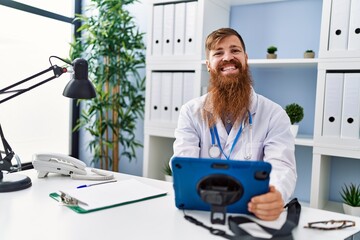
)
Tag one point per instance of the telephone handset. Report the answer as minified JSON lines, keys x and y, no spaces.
{"x":46,"y":163}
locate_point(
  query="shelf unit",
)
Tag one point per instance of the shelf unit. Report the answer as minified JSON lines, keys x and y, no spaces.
{"x":159,"y":135}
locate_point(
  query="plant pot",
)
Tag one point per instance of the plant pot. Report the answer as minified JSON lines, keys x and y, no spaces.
{"x":294,"y":129}
{"x":309,"y":55}
{"x":168,"y":178}
{"x":350,"y":210}
{"x":271,"y":56}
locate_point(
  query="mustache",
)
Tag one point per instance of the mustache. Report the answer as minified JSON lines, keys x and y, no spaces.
{"x":232,"y":61}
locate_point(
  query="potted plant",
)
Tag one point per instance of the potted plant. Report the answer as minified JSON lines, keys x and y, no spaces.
{"x":309,"y":54}
{"x":271,"y":52}
{"x":115,"y":50}
{"x":350,"y":195}
{"x":167,"y":172}
{"x":296,"y":114}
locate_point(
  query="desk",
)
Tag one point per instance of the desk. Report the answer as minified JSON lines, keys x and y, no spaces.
{"x":31,"y":214}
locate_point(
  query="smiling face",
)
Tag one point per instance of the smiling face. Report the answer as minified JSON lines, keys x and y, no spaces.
{"x":230,"y":83}
{"x":227,"y":56}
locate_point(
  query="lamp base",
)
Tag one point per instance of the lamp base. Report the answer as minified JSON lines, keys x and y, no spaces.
{"x":14,"y":182}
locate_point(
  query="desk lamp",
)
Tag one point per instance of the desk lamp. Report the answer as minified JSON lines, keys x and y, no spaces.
{"x":79,"y":87}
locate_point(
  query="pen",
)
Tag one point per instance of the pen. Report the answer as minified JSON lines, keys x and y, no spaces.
{"x":94,"y":184}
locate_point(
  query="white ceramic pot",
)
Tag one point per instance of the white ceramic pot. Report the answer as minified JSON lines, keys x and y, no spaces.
{"x":294,"y":129}
{"x":168,"y":178}
{"x":350,"y":210}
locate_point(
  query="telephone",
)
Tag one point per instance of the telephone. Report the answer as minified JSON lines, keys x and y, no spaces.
{"x":46,"y":163}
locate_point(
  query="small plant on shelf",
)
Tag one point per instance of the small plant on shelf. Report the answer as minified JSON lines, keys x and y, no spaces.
{"x":271,"y":52}
{"x":350,"y":195}
{"x":309,"y":54}
{"x":296,"y":114}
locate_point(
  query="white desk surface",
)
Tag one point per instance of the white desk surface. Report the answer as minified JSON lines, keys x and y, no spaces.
{"x":31,"y":214}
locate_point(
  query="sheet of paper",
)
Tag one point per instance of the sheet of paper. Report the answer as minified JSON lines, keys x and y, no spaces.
{"x":121,"y":192}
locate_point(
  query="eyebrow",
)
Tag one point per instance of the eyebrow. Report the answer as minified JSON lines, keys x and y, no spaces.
{"x":231,"y":46}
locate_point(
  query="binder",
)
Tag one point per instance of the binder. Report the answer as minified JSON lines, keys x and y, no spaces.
{"x":179,"y":34}
{"x":177,"y":95}
{"x":166,"y":91}
{"x":95,"y":198}
{"x":339,"y":25}
{"x":157,"y":37}
{"x":354,"y":26}
{"x":168,"y":35}
{"x":333,"y":104}
{"x":350,"y":123}
{"x":155,"y":97}
{"x":190,"y":28}
{"x":188,"y":86}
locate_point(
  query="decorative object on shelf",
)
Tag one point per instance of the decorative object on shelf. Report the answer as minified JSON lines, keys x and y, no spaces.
{"x":309,"y":54}
{"x":167,"y":172}
{"x":116,"y":50}
{"x":296,"y":114}
{"x":350,"y":195}
{"x":271,"y":52}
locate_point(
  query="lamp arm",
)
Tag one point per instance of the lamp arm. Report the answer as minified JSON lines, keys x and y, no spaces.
{"x":57,"y":73}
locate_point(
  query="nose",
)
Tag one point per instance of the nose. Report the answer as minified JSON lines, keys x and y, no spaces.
{"x":227,"y":56}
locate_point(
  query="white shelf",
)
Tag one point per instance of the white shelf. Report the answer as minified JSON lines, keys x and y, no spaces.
{"x":304,"y":140}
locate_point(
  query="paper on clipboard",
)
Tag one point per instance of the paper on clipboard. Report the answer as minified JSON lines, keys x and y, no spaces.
{"x":112,"y":194}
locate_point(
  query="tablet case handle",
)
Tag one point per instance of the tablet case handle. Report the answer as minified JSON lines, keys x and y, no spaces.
{"x":219,"y":190}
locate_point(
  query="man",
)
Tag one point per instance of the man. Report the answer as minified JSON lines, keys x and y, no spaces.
{"x":247,"y":125}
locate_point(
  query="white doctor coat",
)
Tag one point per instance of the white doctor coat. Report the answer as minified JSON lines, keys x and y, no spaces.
{"x":272,"y":140}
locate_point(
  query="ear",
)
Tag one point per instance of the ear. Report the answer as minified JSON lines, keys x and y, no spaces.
{"x":207,"y":65}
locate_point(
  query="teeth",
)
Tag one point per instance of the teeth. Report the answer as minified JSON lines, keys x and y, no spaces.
{"x":229,"y":68}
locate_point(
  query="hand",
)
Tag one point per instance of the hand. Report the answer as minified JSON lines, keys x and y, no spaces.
{"x":267,"y":206}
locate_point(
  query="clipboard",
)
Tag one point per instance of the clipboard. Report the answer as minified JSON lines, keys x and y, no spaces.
{"x":95,"y":198}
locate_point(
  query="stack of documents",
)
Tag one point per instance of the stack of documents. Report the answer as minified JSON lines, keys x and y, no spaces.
{"x":97,"y":197}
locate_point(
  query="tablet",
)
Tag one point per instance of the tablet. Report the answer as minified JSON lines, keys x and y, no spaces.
{"x":237,"y":181}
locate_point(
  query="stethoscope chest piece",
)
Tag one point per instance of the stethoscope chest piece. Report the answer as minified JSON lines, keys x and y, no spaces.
{"x":214,"y":151}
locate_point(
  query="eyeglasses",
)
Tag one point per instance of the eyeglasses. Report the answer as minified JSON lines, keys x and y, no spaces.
{"x":331,"y":224}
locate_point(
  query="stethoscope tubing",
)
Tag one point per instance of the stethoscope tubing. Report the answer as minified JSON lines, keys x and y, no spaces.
{"x":215,"y":137}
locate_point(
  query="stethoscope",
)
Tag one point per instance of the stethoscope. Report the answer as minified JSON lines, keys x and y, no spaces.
{"x":215,"y":149}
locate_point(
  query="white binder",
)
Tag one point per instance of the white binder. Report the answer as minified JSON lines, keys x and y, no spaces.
{"x":354,"y":26}
{"x":155,"y":97}
{"x":333,"y":104}
{"x":157,"y":38}
{"x":190,"y":28}
{"x":168,"y":36}
{"x":177,"y":95}
{"x":339,"y":25}
{"x":188,"y":87}
{"x":179,"y":34}
{"x":350,"y":123}
{"x":166,"y":91}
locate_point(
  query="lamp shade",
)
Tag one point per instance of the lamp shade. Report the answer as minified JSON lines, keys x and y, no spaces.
{"x":79,"y":86}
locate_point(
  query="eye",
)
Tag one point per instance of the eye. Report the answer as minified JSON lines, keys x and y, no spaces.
{"x":218,"y":53}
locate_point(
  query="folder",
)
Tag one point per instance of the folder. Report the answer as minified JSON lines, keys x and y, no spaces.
{"x":188,"y":86}
{"x":177,"y":95}
{"x":99,"y":197}
{"x":354,"y":26}
{"x":339,"y":25}
{"x":190,"y":28}
{"x":155,"y":98}
{"x":168,"y":34}
{"x":179,"y":31}
{"x":157,"y":38}
{"x":333,"y":104}
{"x":166,"y":91}
{"x":350,"y":123}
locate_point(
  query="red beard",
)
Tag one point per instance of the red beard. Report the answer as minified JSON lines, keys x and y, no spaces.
{"x":230,"y":95}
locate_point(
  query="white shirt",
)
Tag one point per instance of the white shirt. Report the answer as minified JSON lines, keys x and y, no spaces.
{"x":272,"y":140}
